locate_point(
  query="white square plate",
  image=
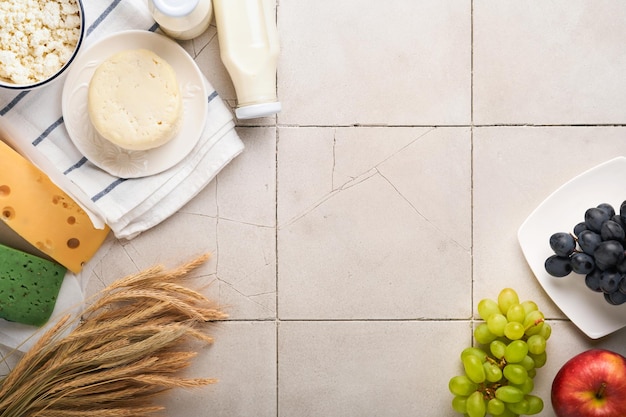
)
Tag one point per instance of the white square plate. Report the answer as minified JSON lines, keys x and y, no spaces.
{"x":560,"y":212}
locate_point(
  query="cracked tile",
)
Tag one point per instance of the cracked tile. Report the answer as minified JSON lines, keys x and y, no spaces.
{"x":173,"y":242}
{"x":434,"y":174}
{"x":233,"y":218}
{"x":246,"y":270}
{"x":111,"y":262}
{"x":353,"y":256}
{"x":245,"y":209}
{"x":336,"y":158}
{"x":205,"y":203}
{"x":194,"y":47}
{"x":306,"y":158}
{"x":210,"y":63}
{"x":176,"y":240}
{"x":359,"y":150}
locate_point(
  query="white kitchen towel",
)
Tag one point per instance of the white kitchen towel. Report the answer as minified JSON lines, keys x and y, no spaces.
{"x":32,"y":122}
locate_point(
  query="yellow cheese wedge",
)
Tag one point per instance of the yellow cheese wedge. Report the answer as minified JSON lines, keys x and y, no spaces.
{"x":43,"y":215}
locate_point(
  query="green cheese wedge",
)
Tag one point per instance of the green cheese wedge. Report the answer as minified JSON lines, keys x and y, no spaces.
{"x":29,"y":286}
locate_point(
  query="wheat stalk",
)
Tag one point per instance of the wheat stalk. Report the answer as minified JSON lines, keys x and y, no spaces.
{"x":124,"y":351}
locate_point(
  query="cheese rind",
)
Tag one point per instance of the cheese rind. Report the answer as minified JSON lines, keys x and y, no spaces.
{"x":134,"y":100}
{"x":43,"y":215}
{"x":29,"y":287}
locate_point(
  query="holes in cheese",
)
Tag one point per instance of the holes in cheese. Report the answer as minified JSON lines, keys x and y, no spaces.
{"x":73,"y":243}
{"x":8,"y":213}
{"x":43,"y":215}
{"x":29,"y":286}
{"x":45,"y":246}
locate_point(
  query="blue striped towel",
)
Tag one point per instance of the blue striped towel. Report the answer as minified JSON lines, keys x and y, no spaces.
{"x":32,"y":123}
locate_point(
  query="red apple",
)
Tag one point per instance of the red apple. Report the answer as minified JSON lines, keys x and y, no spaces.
{"x":591,"y":384}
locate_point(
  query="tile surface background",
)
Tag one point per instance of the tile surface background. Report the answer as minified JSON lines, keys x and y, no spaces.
{"x":356,"y":233}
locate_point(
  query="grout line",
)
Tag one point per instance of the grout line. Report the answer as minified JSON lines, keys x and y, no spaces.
{"x":272,"y":319}
{"x":470,"y":125}
{"x":473,"y":290}
{"x":472,"y":63}
{"x":356,"y":320}
{"x":277,"y":136}
{"x":276,"y":320}
{"x":348,"y":320}
{"x":373,"y":320}
{"x":381,"y":320}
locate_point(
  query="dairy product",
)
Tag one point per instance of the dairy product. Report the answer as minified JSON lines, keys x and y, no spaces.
{"x":43,"y":215}
{"x":134,"y":100}
{"x":182,"y":19}
{"x":249,"y":48}
{"x":36,"y":38}
{"x":29,"y":286}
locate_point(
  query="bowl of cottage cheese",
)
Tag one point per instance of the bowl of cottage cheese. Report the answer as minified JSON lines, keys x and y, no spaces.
{"x":38,"y":40}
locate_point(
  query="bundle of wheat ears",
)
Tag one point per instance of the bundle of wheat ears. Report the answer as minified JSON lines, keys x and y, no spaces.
{"x":127,"y":348}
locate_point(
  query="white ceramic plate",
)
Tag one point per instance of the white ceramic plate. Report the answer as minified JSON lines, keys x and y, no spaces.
{"x":109,"y":157}
{"x":560,"y":212}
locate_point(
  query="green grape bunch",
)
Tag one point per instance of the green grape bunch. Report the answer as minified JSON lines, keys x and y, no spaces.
{"x":498,"y":377}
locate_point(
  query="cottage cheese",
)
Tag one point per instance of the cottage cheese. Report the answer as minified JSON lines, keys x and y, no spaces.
{"x":36,"y":38}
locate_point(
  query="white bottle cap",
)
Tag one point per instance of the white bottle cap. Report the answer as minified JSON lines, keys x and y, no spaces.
{"x":175,"y":8}
{"x":258,"y":110}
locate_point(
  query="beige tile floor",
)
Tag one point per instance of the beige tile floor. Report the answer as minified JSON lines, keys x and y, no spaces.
{"x":356,"y":233}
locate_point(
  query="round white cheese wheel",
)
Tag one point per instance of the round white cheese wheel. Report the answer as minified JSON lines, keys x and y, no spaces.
{"x":134,"y":100}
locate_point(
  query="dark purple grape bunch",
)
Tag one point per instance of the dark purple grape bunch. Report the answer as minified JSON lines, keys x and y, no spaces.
{"x":595,"y":249}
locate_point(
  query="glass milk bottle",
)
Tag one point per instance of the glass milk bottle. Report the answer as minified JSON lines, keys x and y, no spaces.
{"x":182,"y":19}
{"x":248,"y":39}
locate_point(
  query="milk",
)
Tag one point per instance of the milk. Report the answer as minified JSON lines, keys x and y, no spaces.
{"x":182,"y":19}
{"x":249,"y":47}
